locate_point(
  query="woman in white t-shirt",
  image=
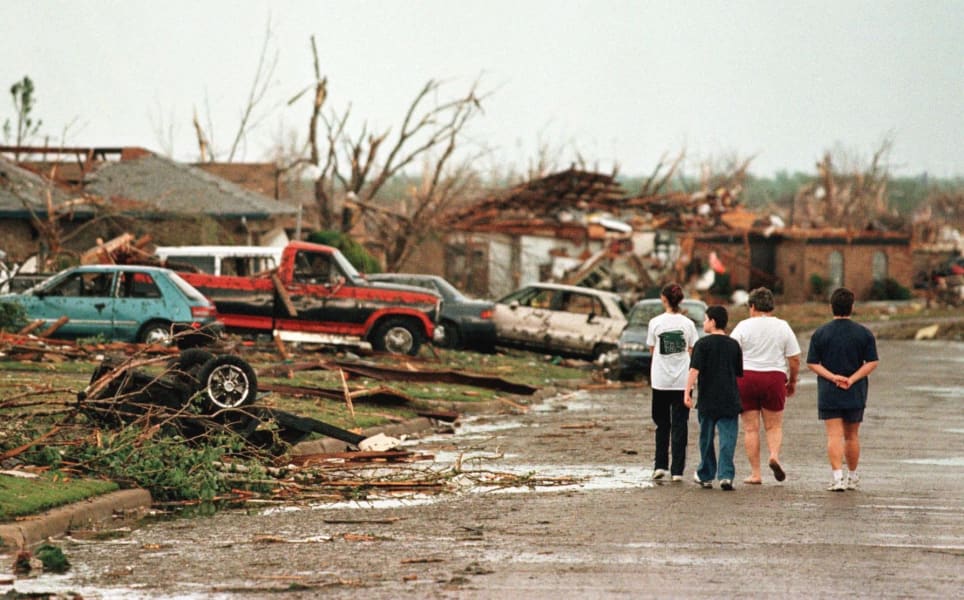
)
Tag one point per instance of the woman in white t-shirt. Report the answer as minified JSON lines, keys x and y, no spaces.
{"x":670,"y":338}
{"x":771,"y":362}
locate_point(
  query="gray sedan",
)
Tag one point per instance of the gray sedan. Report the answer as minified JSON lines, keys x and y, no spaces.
{"x":463,"y":322}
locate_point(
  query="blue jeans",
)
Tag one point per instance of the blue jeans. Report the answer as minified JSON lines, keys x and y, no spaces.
{"x":729,"y":428}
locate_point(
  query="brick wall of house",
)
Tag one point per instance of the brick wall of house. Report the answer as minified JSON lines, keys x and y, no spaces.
{"x":797,"y":259}
{"x":858,"y":265}
{"x":19,"y":240}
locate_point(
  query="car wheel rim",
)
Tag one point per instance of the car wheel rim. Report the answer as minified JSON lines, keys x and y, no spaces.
{"x":157,"y":336}
{"x":399,"y":340}
{"x":228,"y":386}
{"x":441,"y":335}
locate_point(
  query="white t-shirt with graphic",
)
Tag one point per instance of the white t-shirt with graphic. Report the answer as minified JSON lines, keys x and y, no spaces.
{"x":671,"y":336}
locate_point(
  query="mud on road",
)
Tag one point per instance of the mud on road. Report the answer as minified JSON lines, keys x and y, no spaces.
{"x":610,"y":532}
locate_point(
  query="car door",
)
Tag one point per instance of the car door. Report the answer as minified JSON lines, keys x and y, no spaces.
{"x":580,"y":323}
{"x":139,"y":300}
{"x":83,"y":297}
{"x":313,"y":291}
{"x":524,"y":318}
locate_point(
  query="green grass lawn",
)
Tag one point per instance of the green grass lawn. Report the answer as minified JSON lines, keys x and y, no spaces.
{"x":20,"y":496}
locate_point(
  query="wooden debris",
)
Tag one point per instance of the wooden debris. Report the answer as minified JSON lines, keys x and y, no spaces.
{"x":54,"y":326}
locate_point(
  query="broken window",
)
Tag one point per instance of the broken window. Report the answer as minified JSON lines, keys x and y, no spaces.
{"x":138,"y":285}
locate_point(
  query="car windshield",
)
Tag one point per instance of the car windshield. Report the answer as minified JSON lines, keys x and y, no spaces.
{"x":644,"y":311}
{"x":448,"y":290}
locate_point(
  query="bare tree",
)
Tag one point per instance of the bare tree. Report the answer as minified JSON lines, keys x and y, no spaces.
{"x":355,"y":168}
{"x":844,"y":193}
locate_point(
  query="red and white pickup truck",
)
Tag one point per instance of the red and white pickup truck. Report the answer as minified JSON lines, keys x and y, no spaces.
{"x":316,"y":295}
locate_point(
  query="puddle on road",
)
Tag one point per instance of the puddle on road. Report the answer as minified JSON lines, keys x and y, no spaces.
{"x":518,"y":478}
{"x":576,"y":401}
{"x":953,"y":461}
{"x":956,"y":392}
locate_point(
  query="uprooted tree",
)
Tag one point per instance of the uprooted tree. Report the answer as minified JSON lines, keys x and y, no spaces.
{"x":353,"y":168}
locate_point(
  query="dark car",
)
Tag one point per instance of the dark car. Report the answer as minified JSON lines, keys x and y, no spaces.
{"x":120,"y":302}
{"x":635,"y":358}
{"x":463,"y":322}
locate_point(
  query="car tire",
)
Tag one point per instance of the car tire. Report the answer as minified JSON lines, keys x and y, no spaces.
{"x":451,"y":337}
{"x":601,"y":350}
{"x":191,"y":358}
{"x":155,"y":332}
{"x":397,"y":336}
{"x":227,"y":381}
{"x":187,"y":365}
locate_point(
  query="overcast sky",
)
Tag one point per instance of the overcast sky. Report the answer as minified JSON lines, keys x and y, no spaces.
{"x":617,"y":81}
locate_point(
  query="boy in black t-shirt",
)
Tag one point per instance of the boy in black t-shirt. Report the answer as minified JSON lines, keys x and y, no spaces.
{"x":716,"y":363}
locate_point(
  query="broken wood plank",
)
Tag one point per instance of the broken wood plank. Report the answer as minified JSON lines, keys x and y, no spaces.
{"x":279,"y":288}
{"x":55,"y":326}
{"x":31,"y":327}
{"x":279,"y":344}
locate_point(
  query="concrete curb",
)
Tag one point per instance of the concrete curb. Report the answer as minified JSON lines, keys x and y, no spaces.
{"x":57,"y":521}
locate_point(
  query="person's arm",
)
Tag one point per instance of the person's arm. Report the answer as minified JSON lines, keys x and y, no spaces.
{"x":822,"y":371}
{"x":688,"y":393}
{"x":864,"y":370}
{"x":794,"y":363}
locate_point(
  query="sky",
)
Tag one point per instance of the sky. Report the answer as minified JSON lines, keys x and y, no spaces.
{"x":616,"y":82}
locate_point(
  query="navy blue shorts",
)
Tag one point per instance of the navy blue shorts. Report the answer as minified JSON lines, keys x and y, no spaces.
{"x":849,"y":415}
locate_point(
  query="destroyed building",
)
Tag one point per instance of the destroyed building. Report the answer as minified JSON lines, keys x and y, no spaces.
{"x":580,"y":227}
{"x":133,"y":189}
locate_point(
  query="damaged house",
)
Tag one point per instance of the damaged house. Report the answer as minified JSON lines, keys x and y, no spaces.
{"x":30,"y":206}
{"x":535,"y":231}
{"x":134,"y":190}
{"x":580,"y":228}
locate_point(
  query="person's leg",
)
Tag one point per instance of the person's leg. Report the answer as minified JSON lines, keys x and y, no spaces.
{"x":851,"y":449}
{"x":662,"y":420}
{"x":679,"y":416}
{"x":751,"y":441}
{"x":773,"y":423}
{"x":729,"y":429}
{"x":835,"y":442}
{"x":707,"y":468}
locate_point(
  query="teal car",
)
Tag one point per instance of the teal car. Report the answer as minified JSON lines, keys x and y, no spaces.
{"x":121,"y":302}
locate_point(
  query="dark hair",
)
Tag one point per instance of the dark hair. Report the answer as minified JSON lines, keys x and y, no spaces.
{"x":761,"y":299}
{"x":842,"y":302}
{"x":673,"y":294}
{"x":719,"y":315}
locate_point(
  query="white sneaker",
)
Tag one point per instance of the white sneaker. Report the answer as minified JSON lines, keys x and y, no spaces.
{"x":838,"y":485}
{"x":660,"y":473}
{"x":677,"y":478}
{"x":853,"y":482}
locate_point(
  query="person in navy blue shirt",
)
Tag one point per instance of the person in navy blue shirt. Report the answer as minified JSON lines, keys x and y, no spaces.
{"x":842,"y":354}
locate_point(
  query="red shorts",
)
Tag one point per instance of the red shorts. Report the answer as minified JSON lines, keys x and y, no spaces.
{"x":763,"y":389}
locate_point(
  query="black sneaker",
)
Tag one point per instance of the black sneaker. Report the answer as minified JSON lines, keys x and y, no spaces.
{"x":726,"y":485}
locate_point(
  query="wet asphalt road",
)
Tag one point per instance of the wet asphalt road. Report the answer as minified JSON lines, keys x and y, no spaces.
{"x":614,"y":533}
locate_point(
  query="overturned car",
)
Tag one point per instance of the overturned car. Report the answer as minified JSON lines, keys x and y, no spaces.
{"x":200,"y":393}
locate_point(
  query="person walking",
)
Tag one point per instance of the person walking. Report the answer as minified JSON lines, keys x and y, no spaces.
{"x":716,"y":363}
{"x":670,"y":338}
{"x":771,"y":363}
{"x":842,"y":353}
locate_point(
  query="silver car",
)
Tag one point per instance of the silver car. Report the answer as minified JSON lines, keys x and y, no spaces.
{"x":560,"y":319}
